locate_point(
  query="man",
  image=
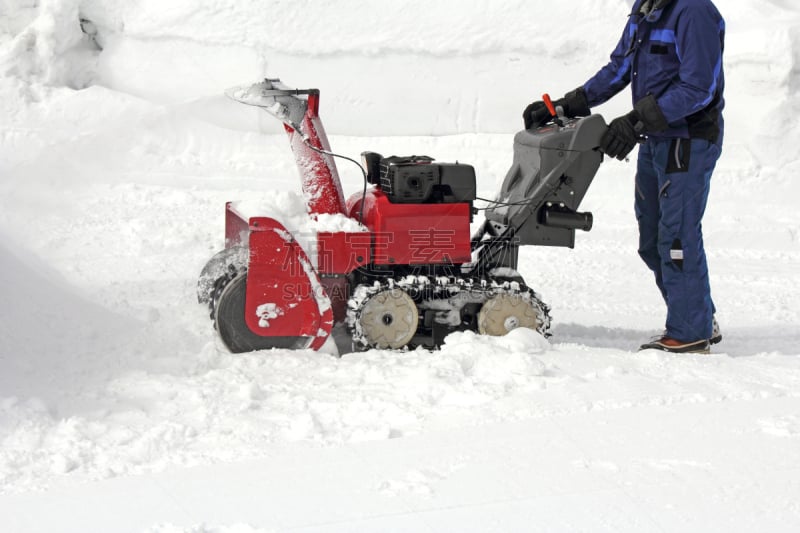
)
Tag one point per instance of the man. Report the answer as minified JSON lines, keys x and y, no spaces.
{"x":671,"y":54}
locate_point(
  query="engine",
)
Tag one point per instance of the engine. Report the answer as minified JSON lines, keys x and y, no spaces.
{"x":418,"y":180}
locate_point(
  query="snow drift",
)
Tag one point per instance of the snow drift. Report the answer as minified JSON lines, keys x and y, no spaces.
{"x":117,"y":153}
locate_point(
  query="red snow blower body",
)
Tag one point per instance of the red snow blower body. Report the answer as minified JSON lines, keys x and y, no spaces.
{"x":413,"y":273}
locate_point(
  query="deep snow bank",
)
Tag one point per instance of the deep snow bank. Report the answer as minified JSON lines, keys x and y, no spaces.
{"x":385,"y":68}
{"x":51,"y":334}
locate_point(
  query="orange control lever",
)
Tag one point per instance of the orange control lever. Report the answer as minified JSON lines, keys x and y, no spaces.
{"x":549,"y":103}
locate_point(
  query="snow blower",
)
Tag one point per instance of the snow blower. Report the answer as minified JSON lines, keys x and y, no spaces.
{"x":413,"y":273}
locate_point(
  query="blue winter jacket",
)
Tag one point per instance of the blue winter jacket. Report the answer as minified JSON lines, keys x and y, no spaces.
{"x":674,"y":54}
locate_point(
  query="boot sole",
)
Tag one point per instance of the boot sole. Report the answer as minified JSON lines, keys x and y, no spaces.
{"x":696,"y":347}
{"x":703,"y":351}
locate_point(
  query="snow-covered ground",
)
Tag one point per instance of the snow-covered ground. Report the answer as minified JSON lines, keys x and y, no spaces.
{"x":120,"y":410}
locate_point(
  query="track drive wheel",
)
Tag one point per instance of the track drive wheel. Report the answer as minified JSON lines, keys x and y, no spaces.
{"x":505,"y":312}
{"x":232,"y":328}
{"x":389,"y":319}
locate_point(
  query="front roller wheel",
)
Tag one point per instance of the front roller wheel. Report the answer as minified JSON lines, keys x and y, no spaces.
{"x":232,"y":328}
{"x":506,"y":312}
{"x":388,"y":319}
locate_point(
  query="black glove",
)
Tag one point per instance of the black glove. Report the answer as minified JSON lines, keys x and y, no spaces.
{"x":621,"y":136}
{"x":574,"y":104}
{"x":536,"y":115}
{"x":624,"y":132}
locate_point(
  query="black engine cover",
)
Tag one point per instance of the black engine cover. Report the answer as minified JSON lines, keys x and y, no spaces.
{"x":418,"y":180}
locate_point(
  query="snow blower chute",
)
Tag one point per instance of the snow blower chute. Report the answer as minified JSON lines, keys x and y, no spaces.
{"x":414,"y":274}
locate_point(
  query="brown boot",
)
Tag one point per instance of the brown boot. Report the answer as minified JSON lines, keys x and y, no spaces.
{"x":668,"y":344}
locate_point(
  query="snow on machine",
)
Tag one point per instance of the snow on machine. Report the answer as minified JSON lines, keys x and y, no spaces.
{"x":412,"y":273}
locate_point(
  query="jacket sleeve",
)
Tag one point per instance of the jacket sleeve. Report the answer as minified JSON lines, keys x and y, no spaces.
{"x":699,"y":37}
{"x":616,"y":75}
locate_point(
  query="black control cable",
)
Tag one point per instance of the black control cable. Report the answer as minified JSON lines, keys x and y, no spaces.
{"x":307,"y":142}
{"x":495,"y":203}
